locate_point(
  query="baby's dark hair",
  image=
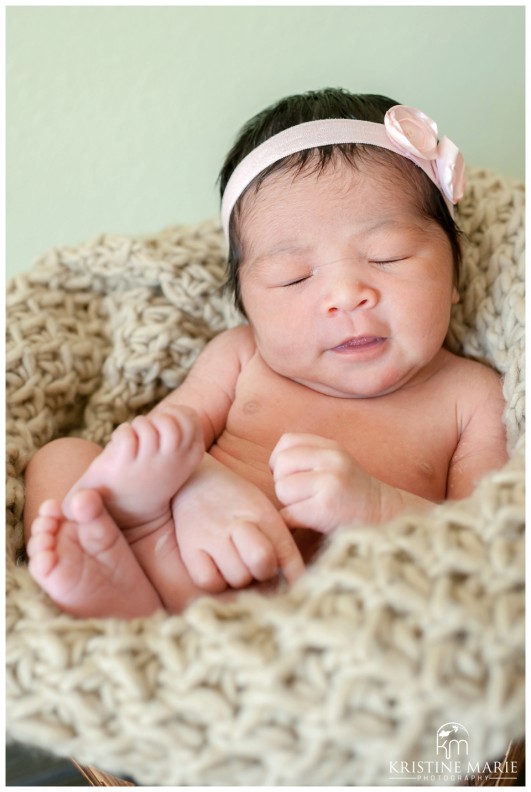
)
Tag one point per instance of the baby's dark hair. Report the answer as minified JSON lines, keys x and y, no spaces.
{"x":316,"y":106}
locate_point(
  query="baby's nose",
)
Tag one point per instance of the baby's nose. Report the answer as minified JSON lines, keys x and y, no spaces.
{"x":349,"y":294}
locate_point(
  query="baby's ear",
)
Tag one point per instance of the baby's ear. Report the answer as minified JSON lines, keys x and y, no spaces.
{"x":455,"y":296}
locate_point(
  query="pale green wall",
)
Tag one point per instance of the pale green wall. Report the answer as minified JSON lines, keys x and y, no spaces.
{"x":118,"y":118}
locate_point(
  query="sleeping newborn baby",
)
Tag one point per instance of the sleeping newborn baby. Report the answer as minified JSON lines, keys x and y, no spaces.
{"x":336,"y":403}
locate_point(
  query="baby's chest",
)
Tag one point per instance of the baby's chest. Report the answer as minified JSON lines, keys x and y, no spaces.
{"x":406,"y":443}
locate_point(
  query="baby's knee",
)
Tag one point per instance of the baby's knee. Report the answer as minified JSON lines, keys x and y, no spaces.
{"x":68,"y":456}
{"x":52,"y":471}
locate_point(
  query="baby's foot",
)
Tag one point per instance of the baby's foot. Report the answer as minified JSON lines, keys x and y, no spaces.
{"x":86,"y":565}
{"x":143,"y":466}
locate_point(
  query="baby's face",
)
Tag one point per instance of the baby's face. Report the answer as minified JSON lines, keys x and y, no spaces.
{"x":347,"y":288}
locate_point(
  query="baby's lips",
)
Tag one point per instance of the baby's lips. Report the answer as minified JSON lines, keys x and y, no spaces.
{"x":358,"y":341}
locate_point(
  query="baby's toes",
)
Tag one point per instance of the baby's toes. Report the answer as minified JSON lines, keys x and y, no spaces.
{"x":98,"y":532}
{"x":170,"y":433}
{"x":40,"y":542}
{"x":42,"y":553}
{"x":182,"y":426}
{"x":49,"y":525}
{"x":191,"y":428}
{"x":148,"y":436}
{"x":124,"y":445}
{"x":51,"y":508}
{"x":86,"y":506}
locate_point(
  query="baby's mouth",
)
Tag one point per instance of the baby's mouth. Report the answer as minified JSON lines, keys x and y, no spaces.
{"x":360,"y":343}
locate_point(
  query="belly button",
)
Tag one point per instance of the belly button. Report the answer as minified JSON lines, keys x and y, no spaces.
{"x":251,"y":407}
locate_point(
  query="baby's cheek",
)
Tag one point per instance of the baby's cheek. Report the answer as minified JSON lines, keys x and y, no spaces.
{"x":281,"y":343}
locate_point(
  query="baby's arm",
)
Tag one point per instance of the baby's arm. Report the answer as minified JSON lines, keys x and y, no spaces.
{"x":482,"y":445}
{"x":322,"y":486}
{"x":210,"y":386}
{"x":228,"y":531}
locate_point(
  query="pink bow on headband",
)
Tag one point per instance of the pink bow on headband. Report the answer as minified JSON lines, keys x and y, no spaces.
{"x":415,"y":133}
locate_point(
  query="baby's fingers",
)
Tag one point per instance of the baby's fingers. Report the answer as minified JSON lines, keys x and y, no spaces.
{"x":297,"y":487}
{"x":204,"y":572}
{"x":256,"y":551}
{"x":300,"y":459}
{"x":289,"y":559}
{"x":310,"y":500}
{"x":231,"y":565}
{"x":295,"y":440}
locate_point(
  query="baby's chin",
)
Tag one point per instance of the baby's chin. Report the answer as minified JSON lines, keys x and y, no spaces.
{"x":366,"y":387}
{"x":352,"y":392}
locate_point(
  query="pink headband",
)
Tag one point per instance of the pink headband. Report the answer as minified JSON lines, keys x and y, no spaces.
{"x":406,"y":131}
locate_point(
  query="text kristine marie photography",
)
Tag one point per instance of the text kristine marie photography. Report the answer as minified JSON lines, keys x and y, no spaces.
{"x":452,"y":764}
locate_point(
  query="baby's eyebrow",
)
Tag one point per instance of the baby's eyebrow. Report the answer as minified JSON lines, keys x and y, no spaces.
{"x":389,"y":224}
{"x":278,"y":251}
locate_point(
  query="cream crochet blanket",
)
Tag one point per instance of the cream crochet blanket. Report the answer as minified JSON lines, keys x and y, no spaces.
{"x":396,"y":630}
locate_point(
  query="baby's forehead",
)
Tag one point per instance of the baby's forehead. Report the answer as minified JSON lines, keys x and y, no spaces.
{"x":306,"y":173}
{"x":282,"y":201}
{"x":336,"y":175}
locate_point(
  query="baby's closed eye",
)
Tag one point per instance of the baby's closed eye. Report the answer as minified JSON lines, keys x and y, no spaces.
{"x":295,"y":281}
{"x":387,"y":261}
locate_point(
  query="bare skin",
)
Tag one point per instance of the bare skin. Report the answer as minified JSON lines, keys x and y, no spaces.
{"x":344,"y":408}
{"x":85,"y":562}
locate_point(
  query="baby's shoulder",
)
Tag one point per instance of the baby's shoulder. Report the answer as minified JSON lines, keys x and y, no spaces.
{"x":237,"y":343}
{"x":473,"y":384}
{"x":469,"y":372}
{"x":223,"y":358}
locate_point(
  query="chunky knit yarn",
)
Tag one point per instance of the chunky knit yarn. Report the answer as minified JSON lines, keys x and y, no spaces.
{"x":395,"y":630}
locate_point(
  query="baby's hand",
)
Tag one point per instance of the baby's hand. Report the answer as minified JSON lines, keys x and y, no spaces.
{"x":321,"y":484}
{"x":229,"y":532}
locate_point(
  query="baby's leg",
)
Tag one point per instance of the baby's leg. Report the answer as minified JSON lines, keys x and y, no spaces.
{"x":52,"y":471}
{"x":136,"y":474}
{"x":85,"y":564}
{"x":145,"y":463}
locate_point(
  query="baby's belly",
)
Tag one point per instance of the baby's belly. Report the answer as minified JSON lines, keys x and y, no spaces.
{"x":405,"y":465}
